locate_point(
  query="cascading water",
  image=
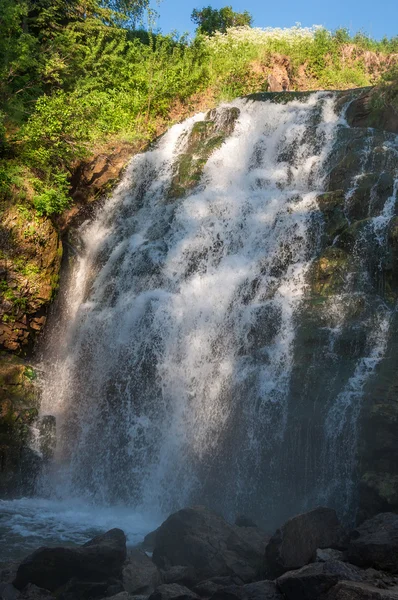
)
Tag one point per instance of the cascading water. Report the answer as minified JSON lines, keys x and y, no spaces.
{"x":176,"y":370}
{"x":182,"y":370}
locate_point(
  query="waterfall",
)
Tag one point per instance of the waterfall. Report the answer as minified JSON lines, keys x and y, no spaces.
{"x":173,"y":373}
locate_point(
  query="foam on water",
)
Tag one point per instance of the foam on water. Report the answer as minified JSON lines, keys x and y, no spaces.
{"x":28,"y":523}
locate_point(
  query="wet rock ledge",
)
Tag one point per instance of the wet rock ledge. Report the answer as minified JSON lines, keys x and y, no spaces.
{"x":195,"y":554}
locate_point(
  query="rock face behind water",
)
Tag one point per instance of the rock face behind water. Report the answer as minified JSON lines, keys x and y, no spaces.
{"x":375,"y":543}
{"x":200,"y":538}
{"x":100,"y":559}
{"x":295,"y":543}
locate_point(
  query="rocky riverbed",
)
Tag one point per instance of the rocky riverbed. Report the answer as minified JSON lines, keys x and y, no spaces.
{"x":196,"y":554}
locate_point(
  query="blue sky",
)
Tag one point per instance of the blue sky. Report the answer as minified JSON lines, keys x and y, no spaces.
{"x":374,"y":17}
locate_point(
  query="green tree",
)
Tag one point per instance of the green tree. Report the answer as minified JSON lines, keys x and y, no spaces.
{"x":209,"y":20}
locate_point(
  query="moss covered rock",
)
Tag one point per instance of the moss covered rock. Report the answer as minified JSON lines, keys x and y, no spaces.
{"x":30,"y":260}
{"x":329,"y":272}
{"x":205,"y":137}
{"x":332,"y":205}
{"x":377,"y":108}
{"x":19,"y":404}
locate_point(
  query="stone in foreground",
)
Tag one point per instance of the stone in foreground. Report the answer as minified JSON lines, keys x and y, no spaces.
{"x":260,"y":590}
{"x":173,"y":591}
{"x":140,"y":575}
{"x":312,"y":581}
{"x":98,"y":560}
{"x":199,"y":538}
{"x":295,"y":543}
{"x":350,"y":590}
{"x":375,"y":543}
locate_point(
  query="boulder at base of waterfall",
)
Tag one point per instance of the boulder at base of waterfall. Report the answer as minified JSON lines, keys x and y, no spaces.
{"x":324,"y":554}
{"x":210,"y":586}
{"x":86,"y":590}
{"x":243,"y":521}
{"x":179,"y":574}
{"x":173,"y":591}
{"x":350,"y":590}
{"x":120,"y":596}
{"x":149,"y":542}
{"x":140,"y":574}
{"x":9,"y":592}
{"x":260,"y":590}
{"x":99,"y":560}
{"x":311,"y":581}
{"x":32,"y":592}
{"x":295,"y":543}
{"x":199,"y":538}
{"x":375,"y":543}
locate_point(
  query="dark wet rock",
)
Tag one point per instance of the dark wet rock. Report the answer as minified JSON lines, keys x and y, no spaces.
{"x":9,"y":592}
{"x":325,"y":554}
{"x":369,"y":195}
{"x":180,"y":574}
{"x":19,"y":404}
{"x":210,"y":586}
{"x":375,"y":543}
{"x":232,"y":592}
{"x":380,"y":579}
{"x":200,"y":538}
{"x":98,"y":560}
{"x":365,"y":111}
{"x":254,"y":537}
{"x":173,"y":591}
{"x":331,"y":204}
{"x":378,"y":444}
{"x":115,"y":587}
{"x":350,"y":590}
{"x":150,"y":541}
{"x":295,"y":543}
{"x":120,"y":596}
{"x":243,"y":521}
{"x":260,"y":590}
{"x":311,"y":581}
{"x":140,"y":574}
{"x":84,"y":590}
{"x":9,"y":571}
{"x":32,"y":592}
